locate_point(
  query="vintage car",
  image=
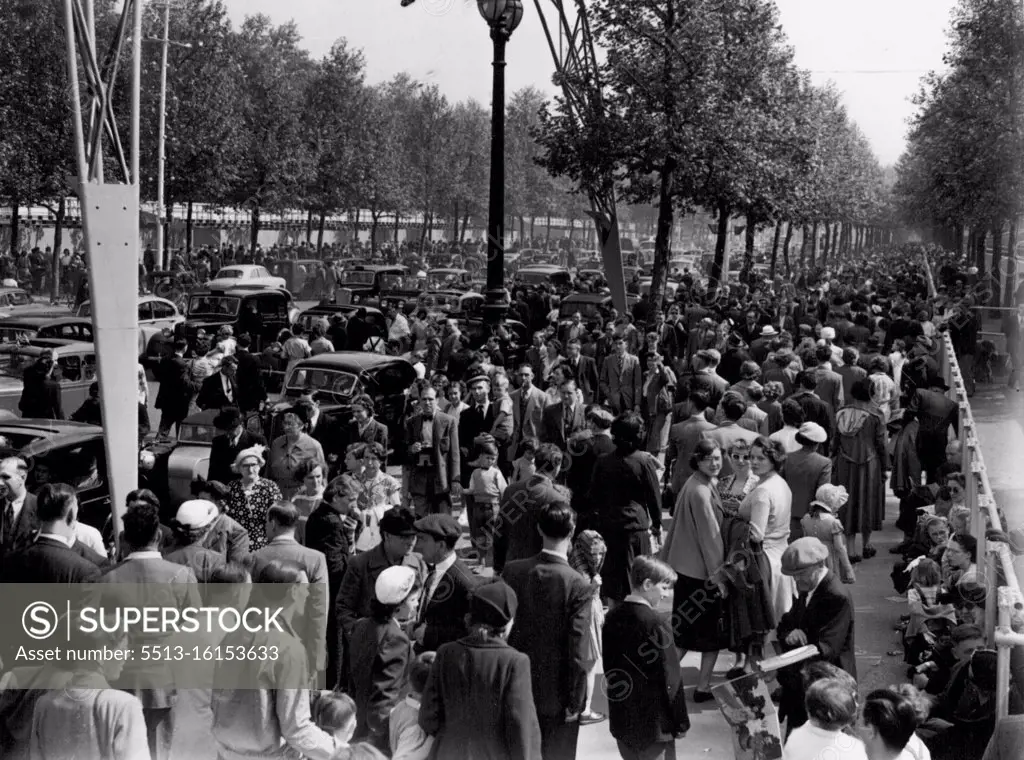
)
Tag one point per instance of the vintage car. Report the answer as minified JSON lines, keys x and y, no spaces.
{"x":374,"y":318}
{"x":169,"y":466}
{"x":337,"y":378}
{"x":61,"y":451}
{"x":17,"y":302}
{"x":362,"y":283}
{"x":299,"y":276}
{"x":27,"y":329}
{"x":448,"y":279}
{"x":75,"y":370}
{"x":262,"y":313}
{"x":594,"y":308}
{"x":245,"y":276}
{"x":451,"y":304}
{"x":670,"y":287}
{"x":398,"y":290}
{"x":543,"y":274}
{"x":155,"y":315}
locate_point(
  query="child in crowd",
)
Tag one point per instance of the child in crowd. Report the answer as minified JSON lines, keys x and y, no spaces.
{"x":933,"y":676}
{"x":587,"y":557}
{"x":523,"y":467}
{"x":821,"y":523}
{"x":335,"y":714}
{"x":831,"y":707}
{"x":648,"y":717}
{"x":486,"y":486}
{"x":408,"y":740}
{"x":916,"y":749}
{"x":922,"y":598}
{"x":353,"y":465}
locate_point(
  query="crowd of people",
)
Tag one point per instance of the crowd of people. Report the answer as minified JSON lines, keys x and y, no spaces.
{"x":766,"y":419}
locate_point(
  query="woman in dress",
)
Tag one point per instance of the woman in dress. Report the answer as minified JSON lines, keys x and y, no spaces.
{"x":550,"y":358}
{"x":694,"y":549}
{"x":767,"y":507}
{"x":377,"y":493}
{"x":734,"y":488}
{"x":251,"y":497}
{"x":626,"y":495}
{"x":310,"y":493}
{"x":288,"y":452}
{"x":860,"y":458}
{"x":658,"y":397}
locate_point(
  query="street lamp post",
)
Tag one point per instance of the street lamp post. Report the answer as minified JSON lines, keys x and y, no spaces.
{"x":161,"y":156}
{"x":503,"y":17}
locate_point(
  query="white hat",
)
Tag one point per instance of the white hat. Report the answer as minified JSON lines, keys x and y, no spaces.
{"x":813,"y":432}
{"x":830,"y":497}
{"x":196,"y":513}
{"x":828,"y":333}
{"x":252,"y":451}
{"x":394,"y":584}
{"x":768,"y":331}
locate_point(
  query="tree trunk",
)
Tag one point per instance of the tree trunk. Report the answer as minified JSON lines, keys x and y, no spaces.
{"x":309,"y":226}
{"x":997,"y":263}
{"x":398,"y":221}
{"x":374,"y":223}
{"x":814,"y":243}
{"x":775,"y":249}
{"x":355,"y":225}
{"x":533,"y":222}
{"x":188,"y":229}
{"x":58,"y":240}
{"x":748,"y":246}
{"x":836,"y":236}
{"x":321,"y":224}
{"x":455,"y":221}
{"x":805,"y":240}
{"x":168,"y":218}
{"x":979,"y":251}
{"x":547,"y":236}
{"x":1010,"y":280}
{"x":465,"y":224}
{"x":959,"y":234}
{"x":254,"y":230}
{"x":720,"y":266}
{"x":423,"y":231}
{"x":785,"y":248}
{"x":827,"y":244}
{"x":15,"y":219}
{"x":522,"y":230}
{"x":662,"y":239}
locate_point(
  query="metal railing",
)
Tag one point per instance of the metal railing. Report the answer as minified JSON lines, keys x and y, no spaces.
{"x":1000,"y":601}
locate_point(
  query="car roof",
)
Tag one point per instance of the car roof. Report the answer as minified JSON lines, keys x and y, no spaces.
{"x":42,"y":321}
{"x":381,"y":268}
{"x":352,"y":361}
{"x":546,"y":268}
{"x":37,"y":346}
{"x":239,"y":292}
{"x":586,"y":298}
{"x":339,"y":308}
{"x":449,"y":270}
{"x":52,"y":433}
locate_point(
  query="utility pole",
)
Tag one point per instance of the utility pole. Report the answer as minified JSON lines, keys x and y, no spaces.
{"x":161,"y":159}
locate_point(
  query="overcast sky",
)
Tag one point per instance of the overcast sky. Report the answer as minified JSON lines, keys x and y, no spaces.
{"x":446,"y":42}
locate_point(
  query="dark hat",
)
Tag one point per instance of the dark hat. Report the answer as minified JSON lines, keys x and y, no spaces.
{"x":227,"y":418}
{"x":442,"y":527}
{"x":476,"y":379}
{"x":802,"y":554}
{"x":493,"y":604}
{"x":398,"y":521}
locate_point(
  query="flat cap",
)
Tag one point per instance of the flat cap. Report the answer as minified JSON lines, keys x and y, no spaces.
{"x":803,"y":554}
{"x":493,"y":604}
{"x":812,"y":431}
{"x":394,"y":584}
{"x":398,"y":521}
{"x":442,"y":527}
{"x":481,"y":378}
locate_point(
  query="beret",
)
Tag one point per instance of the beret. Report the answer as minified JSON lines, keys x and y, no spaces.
{"x":803,"y":554}
{"x":493,"y":604}
{"x":394,"y":584}
{"x":196,"y":513}
{"x":441,"y":527}
{"x":828,"y":333}
{"x":398,"y":521}
{"x":812,"y":431}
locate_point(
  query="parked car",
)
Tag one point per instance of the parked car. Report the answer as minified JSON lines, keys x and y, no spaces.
{"x":447,"y":304}
{"x":246,"y":276}
{"x":262,"y":313}
{"x":75,"y":371}
{"x":398,"y":290}
{"x":62,"y":451}
{"x":448,"y":279}
{"x":362,"y":283}
{"x":18,"y":302}
{"x":374,"y":318}
{"x":337,"y":378}
{"x":543,"y":274}
{"x":299,"y":276}
{"x":155,"y":315}
{"x":27,"y":329}
{"x":594,"y":308}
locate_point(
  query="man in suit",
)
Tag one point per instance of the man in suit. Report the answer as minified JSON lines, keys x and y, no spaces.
{"x":252,"y":389}
{"x":815,"y":410}
{"x":221,"y":388}
{"x":683,"y":438}
{"x":806,"y":471}
{"x":448,"y":586}
{"x":936,"y":414}
{"x":282,"y":519}
{"x":565,"y":419}
{"x":528,"y":402}
{"x":146,"y":579}
{"x":535,"y":355}
{"x":582,"y":455}
{"x":730,"y":431}
{"x":40,"y":394}
{"x":584,"y":370}
{"x":705,"y":375}
{"x":231,"y":439}
{"x":18,"y":519}
{"x":621,"y":379}
{"x":761,"y":345}
{"x":822,"y":616}
{"x":434,"y":456}
{"x":476,"y":422}
{"x":176,"y":388}
{"x":551,"y":628}
{"x":515,"y":530}
{"x":829,"y":385}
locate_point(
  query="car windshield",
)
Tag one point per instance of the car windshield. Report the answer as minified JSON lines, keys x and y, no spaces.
{"x":201,"y":434}
{"x":16,"y":334}
{"x":588,"y":311}
{"x":213,"y":306}
{"x":230,"y":273}
{"x":533,"y":278}
{"x":13,"y":363}
{"x":438,"y":302}
{"x":399,"y":282}
{"x":358,"y":278}
{"x":327,"y":382}
{"x":445,"y":281}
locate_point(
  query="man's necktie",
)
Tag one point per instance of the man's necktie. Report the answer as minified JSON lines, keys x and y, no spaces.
{"x":425,"y":596}
{"x":7,"y":532}
{"x":522,"y":410}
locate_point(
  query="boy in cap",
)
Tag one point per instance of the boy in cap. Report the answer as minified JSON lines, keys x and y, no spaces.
{"x":448,"y":586}
{"x":381,"y":652}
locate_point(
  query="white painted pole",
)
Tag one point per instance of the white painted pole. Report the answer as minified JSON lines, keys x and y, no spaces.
{"x":161,"y":139}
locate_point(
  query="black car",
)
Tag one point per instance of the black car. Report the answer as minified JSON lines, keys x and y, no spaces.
{"x":260,"y":313}
{"x":364,"y":284}
{"x":373,"y":318}
{"x":337,"y":378}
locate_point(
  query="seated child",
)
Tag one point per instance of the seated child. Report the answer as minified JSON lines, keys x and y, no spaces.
{"x":933,"y":675}
{"x":408,"y":741}
{"x":922,"y":598}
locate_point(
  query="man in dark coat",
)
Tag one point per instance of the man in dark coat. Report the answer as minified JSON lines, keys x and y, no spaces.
{"x":176,"y":388}
{"x":40,"y":394}
{"x":18,"y":519}
{"x":221,"y":388}
{"x":448,"y":586}
{"x":515,"y":530}
{"x":252,"y":389}
{"x":583,"y":453}
{"x":476,"y":421}
{"x":551,"y":628}
{"x":815,"y":409}
{"x":806,"y":471}
{"x":232,"y":438}
{"x":822,"y":616}
{"x":561,"y":421}
{"x":935,"y":413}
{"x":434,"y":456}
{"x":584,"y":370}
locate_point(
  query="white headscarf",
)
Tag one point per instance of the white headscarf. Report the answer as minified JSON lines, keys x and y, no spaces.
{"x":143,"y":390}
